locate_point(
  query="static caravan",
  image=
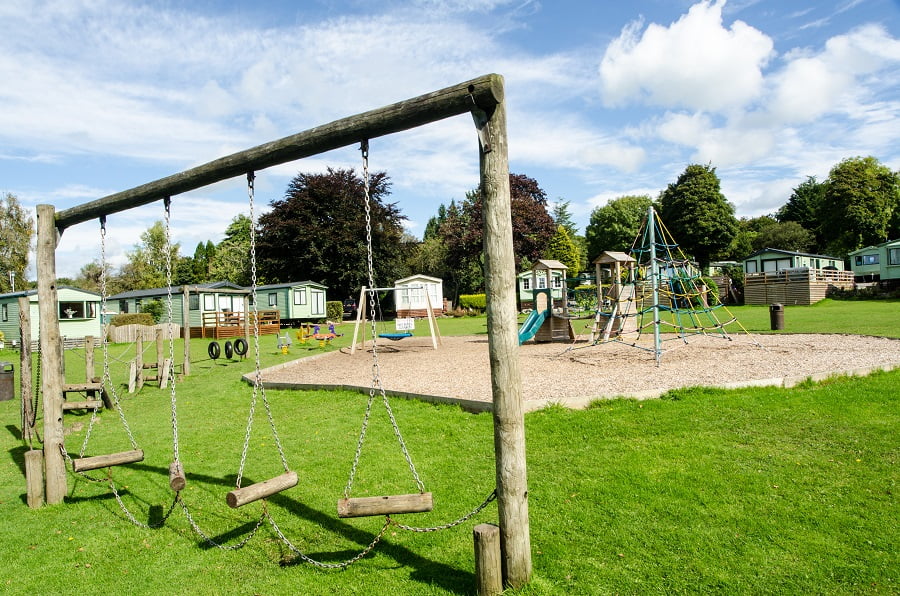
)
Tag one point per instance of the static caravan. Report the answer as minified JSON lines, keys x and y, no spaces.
{"x":876,"y":263}
{"x":771,"y":260}
{"x":215,"y":309}
{"x":294,"y":301}
{"x":79,"y":314}
{"x":413,"y":294}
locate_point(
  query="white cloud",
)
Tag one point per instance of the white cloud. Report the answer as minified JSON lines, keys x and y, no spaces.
{"x":811,"y":85}
{"x":695,"y":62}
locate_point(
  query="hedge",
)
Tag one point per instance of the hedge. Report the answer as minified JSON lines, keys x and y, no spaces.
{"x":134,"y":318}
{"x":473,"y":301}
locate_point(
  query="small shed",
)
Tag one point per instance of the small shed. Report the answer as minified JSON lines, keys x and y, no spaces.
{"x":79,"y":314}
{"x":413,"y":294}
{"x":295,"y":301}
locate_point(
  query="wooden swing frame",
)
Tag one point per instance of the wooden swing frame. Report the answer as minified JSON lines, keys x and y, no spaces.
{"x":483,"y":99}
{"x":362,"y":317}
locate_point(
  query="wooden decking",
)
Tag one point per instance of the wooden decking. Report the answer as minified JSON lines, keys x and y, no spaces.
{"x":794,"y":286}
{"x":227,"y":324}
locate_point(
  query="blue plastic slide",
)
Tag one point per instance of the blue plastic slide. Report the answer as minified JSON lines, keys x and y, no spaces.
{"x":531,"y":325}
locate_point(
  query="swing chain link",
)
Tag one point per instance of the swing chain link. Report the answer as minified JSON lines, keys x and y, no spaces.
{"x":106,"y":381}
{"x":491,"y":497}
{"x":176,"y":456}
{"x":343,"y":564}
{"x":376,"y":384}
{"x":259,"y":389}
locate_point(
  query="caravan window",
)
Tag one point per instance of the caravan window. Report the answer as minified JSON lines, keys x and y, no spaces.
{"x":300,"y":297}
{"x":72,"y":310}
{"x":5,"y":312}
{"x":273,"y":299}
{"x":318,"y":302}
{"x":894,"y":256}
{"x":209,"y":302}
{"x":225,"y":303}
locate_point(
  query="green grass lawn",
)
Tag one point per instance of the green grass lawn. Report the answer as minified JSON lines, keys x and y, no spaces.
{"x":758,"y":490}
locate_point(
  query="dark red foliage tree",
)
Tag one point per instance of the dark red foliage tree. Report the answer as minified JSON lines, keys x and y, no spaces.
{"x":318,"y":232}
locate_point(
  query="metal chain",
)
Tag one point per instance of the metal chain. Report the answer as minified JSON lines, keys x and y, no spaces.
{"x":259,"y":389}
{"x":173,"y":398}
{"x":343,"y":564}
{"x":376,"y":384}
{"x":196,"y":527}
{"x":106,"y":381}
{"x":463,"y":519}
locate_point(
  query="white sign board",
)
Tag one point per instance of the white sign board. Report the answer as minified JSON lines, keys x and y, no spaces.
{"x":407,"y":324}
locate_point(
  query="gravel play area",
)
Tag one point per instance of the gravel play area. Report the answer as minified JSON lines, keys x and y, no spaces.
{"x":575,"y":374}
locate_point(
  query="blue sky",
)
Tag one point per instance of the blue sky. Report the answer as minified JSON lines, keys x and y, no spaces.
{"x":605,"y":98}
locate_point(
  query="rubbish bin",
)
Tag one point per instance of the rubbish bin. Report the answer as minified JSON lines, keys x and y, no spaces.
{"x":776,"y":316}
{"x":6,"y":381}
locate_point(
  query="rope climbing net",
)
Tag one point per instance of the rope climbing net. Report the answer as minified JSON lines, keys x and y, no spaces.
{"x":662,"y":296}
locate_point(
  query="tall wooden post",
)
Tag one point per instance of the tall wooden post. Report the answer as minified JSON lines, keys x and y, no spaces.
{"x":247,"y":320}
{"x":89,"y":369}
{"x":25,"y":387}
{"x":503,"y":346}
{"x":51,"y":355}
{"x":186,"y":329}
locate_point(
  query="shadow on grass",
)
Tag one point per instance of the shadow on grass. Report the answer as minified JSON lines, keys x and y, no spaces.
{"x":430,"y":572}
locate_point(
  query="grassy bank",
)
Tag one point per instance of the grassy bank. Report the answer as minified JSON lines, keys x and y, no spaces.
{"x":759,"y":490}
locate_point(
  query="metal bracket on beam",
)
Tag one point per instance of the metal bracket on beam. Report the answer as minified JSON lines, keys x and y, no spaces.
{"x":481,"y":119}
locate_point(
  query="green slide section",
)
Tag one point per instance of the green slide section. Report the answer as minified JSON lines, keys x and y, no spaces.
{"x":531,"y":325}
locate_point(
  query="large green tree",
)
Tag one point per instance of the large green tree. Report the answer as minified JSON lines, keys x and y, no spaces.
{"x":697,"y":214}
{"x":318,"y":232}
{"x":861,"y":196}
{"x":563,"y":249}
{"x":16,"y":232}
{"x":615,"y":225}
{"x":803,"y":207}
{"x":146,"y":266}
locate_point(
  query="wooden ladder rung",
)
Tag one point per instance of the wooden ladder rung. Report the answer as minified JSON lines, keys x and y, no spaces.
{"x":81,"y":387}
{"x":91,"y":404}
{"x":261,"y":490}
{"x":104,"y":461}
{"x":386,"y":505}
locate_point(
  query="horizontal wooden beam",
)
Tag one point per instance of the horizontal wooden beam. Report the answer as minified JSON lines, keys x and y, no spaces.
{"x":481,"y":94}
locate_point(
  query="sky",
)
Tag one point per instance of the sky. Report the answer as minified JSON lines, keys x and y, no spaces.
{"x":605,"y":98}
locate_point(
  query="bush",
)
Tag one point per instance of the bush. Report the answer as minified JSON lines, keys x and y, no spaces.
{"x":712,"y":294}
{"x":135,"y":318}
{"x":334,"y":310}
{"x":154,"y":308}
{"x":476,"y":302}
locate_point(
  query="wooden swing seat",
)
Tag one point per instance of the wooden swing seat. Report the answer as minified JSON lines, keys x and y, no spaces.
{"x":386,"y":505}
{"x":104,"y":461}
{"x":261,"y":490}
{"x":177,"y":480}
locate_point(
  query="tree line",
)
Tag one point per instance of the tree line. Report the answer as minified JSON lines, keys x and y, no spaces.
{"x":317,"y":231}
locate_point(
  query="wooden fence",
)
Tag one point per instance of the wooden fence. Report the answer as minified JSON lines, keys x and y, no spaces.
{"x":130,"y":333}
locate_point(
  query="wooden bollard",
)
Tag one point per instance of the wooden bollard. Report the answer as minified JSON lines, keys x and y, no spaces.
{"x":34,"y":478}
{"x":488,"y":572}
{"x":261,"y":490}
{"x":139,"y":363}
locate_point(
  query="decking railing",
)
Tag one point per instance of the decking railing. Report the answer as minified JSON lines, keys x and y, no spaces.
{"x":224,"y":324}
{"x":794,"y":286}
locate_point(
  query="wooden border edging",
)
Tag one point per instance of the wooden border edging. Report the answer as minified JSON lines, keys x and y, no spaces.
{"x":574,"y":403}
